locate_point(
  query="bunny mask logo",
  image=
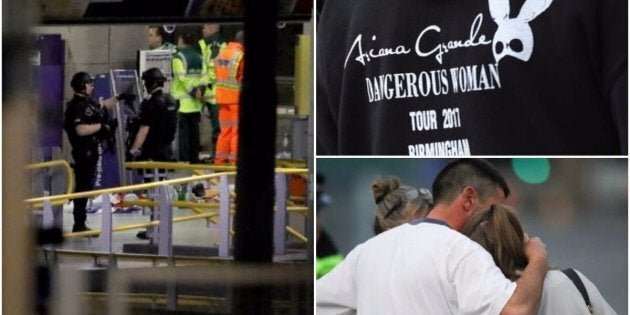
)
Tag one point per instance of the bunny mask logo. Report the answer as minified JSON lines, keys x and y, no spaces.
{"x":514,"y":36}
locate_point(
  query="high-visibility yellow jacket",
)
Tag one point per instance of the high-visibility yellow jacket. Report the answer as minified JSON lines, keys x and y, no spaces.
{"x":210,"y":48}
{"x":229,"y":70}
{"x":187,"y":75}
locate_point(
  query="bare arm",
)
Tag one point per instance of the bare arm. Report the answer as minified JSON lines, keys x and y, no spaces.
{"x":526,"y":297}
{"x":86,"y":130}
{"x":110,"y":102}
{"x":140,"y":137}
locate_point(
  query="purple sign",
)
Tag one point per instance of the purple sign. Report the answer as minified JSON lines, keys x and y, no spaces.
{"x":48,"y":62}
{"x":107,"y":168}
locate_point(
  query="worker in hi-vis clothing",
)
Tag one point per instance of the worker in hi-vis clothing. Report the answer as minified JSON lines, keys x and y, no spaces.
{"x":158,"y":39}
{"x":187,"y":79}
{"x":210,"y":45}
{"x":229,"y":75}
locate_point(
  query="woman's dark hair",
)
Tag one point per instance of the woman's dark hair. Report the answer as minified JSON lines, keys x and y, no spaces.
{"x":397,"y":204}
{"x":498,"y":230}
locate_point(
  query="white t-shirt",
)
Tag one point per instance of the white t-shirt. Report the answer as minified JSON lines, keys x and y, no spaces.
{"x":425,"y":268}
{"x":561,"y":297}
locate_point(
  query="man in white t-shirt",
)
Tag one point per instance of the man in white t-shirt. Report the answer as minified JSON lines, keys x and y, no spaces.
{"x":428,"y":267}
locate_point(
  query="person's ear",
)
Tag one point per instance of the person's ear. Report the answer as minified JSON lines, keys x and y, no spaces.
{"x":470,"y":198}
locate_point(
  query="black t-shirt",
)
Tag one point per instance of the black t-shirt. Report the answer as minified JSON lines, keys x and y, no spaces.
{"x":442,"y":78}
{"x":159,"y":112}
{"x":79,"y":111}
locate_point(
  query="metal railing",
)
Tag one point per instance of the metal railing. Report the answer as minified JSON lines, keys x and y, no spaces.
{"x":286,"y":167}
{"x":164,"y":204}
{"x":69,"y":174}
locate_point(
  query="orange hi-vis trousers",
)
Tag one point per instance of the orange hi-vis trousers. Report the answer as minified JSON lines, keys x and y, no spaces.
{"x":227,"y":144}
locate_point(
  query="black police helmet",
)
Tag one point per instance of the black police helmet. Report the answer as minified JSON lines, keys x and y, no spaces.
{"x":79,"y":80}
{"x":153,"y":77}
{"x":153,"y":74}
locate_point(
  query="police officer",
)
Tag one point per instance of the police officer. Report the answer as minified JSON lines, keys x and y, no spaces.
{"x":158,"y":123}
{"x":158,"y":120}
{"x":86,"y":126}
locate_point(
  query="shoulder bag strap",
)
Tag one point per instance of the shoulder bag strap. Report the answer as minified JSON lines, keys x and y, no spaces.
{"x":569,"y":272}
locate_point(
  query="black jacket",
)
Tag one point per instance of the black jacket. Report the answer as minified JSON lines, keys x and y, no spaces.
{"x":82,"y":110}
{"x":478,"y":77}
{"x":159,"y":112}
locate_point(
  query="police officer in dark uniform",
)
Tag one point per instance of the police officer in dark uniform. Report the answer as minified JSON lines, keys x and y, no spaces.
{"x":157,"y":119}
{"x":86,"y":126}
{"x":158,"y":123}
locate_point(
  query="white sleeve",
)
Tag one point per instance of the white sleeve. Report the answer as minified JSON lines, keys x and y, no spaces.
{"x":480,"y":286}
{"x":336,"y":291}
{"x":600,"y":306}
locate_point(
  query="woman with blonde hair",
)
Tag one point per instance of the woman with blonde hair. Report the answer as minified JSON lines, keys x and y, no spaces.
{"x":397,"y":204}
{"x":498,"y":230}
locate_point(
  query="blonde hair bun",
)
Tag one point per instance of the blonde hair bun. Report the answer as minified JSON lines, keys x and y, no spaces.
{"x":382,"y":186}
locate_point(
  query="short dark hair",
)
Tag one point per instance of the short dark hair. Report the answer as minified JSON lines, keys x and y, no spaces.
{"x":477,"y":173}
{"x":190,"y":35}
{"x":161,"y":31}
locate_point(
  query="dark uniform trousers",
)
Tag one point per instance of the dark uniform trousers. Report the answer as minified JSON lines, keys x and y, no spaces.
{"x":213,"y":112}
{"x":84,"y":168}
{"x":188,"y":138}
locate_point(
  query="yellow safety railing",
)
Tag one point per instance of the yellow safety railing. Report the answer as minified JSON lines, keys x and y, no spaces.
{"x":197,"y":169}
{"x":69,"y":175}
{"x":38,"y":201}
{"x":195,"y":207}
{"x":128,"y":227}
{"x":127,"y":188}
{"x":291,"y":163}
{"x":191,"y":204}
